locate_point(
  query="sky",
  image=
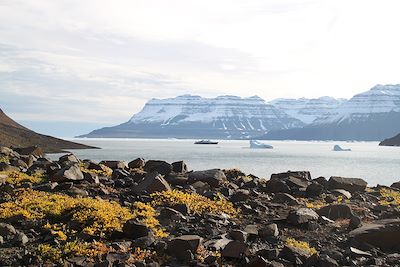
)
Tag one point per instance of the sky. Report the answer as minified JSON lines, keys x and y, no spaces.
{"x":68,"y":66}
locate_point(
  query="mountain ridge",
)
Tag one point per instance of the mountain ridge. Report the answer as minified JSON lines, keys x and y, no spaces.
{"x":12,"y":134}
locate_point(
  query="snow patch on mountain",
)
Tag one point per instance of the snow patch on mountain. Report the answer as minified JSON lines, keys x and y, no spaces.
{"x":308,"y":110}
{"x":377,"y":100}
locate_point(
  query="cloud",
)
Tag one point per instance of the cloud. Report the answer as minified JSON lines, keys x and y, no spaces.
{"x":99,"y":60}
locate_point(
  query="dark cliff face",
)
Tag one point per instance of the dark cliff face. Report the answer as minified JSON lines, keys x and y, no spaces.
{"x":394,"y":141}
{"x":16,"y":135}
{"x":374,"y":128}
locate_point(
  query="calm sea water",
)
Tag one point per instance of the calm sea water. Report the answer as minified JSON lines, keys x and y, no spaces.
{"x":377,"y":165}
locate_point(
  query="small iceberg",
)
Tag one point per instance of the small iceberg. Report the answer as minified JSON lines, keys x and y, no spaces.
{"x":257,"y":144}
{"x":338,"y":148}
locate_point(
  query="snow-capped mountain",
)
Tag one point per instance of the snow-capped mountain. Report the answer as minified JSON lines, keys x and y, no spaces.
{"x":187,"y":116}
{"x":378,"y":100}
{"x":307,"y":110}
{"x":371,"y":115}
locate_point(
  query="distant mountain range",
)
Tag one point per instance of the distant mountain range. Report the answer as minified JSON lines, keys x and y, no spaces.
{"x":369,"y":116}
{"x":13,"y":134}
{"x":187,"y":116}
{"x":372,"y":115}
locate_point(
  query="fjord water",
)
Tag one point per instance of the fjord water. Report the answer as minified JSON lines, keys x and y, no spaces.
{"x":367,"y":160}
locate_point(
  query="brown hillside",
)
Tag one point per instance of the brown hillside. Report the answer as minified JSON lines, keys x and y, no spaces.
{"x":16,"y":135}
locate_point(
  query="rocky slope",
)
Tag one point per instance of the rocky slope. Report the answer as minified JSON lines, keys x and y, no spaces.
{"x":307,"y":110}
{"x":369,"y":116}
{"x":73,"y":212}
{"x":16,"y":135}
{"x":224,"y":117}
{"x":393,"y":141}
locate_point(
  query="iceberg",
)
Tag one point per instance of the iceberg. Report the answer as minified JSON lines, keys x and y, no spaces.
{"x":257,"y":144}
{"x":338,"y":148}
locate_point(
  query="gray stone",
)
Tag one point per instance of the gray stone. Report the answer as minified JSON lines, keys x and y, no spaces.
{"x":301,"y":216}
{"x":336,"y":211}
{"x":350,"y":184}
{"x":153,"y":182}
{"x":269,"y":230}
{"x":384,"y":234}
{"x":7,"y":230}
{"x":159,"y":166}
{"x":68,"y":174}
{"x":214,"y":177}
{"x":285,"y":198}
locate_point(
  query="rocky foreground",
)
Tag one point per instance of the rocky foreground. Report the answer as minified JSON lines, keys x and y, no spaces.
{"x":74,"y":212}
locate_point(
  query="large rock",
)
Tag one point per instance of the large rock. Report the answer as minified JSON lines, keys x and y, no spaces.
{"x":301,"y":216}
{"x":68,"y":174}
{"x":159,"y":166}
{"x":31,"y":150}
{"x":153,"y":182}
{"x":213,"y":177}
{"x":71,"y":158}
{"x":234,"y":249}
{"x":336,"y":211}
{"x":137,"y":163}
{"x":350,"y":184}
{"x":7,"y":167}
{"x":303,"y":175}
{"x":384,"y":234}
{"x":289,"y":182}
{"x":114,"y":164}
{"x":179,"y":167}
{"x":7,"y":230}
{"x":180,"y":246}
{"x":133,"y":229}
{"x":285,"y":198}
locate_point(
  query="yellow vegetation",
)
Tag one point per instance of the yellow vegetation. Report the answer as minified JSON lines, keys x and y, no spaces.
{"x":90,"y":216}
{"x":17,"y":178}
{"x":197,"y":204}
{"x":105,"y":171}
{"x":291,"y":242}
{"x":4,"y":159}
{"x":389,"y":197}
{"x":47,"y":252}
{"x":94,"y":216}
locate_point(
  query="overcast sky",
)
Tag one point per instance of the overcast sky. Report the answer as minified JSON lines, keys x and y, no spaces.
{"x":92,"y":63}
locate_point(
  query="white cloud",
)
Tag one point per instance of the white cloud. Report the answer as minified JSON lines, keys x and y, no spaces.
{"x":101,"y":60}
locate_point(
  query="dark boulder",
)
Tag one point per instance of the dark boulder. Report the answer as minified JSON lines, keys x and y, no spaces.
{"x":31,"y":150}
{"x":285,"y":198}
{"x":384,"y":234}
{"x":234,"y":249}
{"x":133,"y":229}
{"x":180,"y":247}
{"x":350,"y":184}
{"x":179,"y":167}
{"x":336,"y":211}
{"x":213,"y":177}
{"x":159,"y":166}
{"x":137,"y":163}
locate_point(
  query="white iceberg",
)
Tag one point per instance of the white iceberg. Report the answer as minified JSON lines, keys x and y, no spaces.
{"x":257,"y":144}
{"x":338,"y":148}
